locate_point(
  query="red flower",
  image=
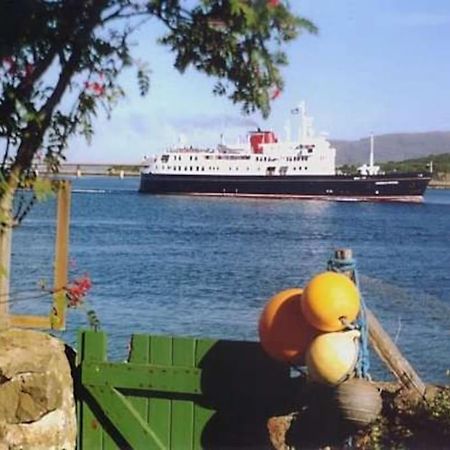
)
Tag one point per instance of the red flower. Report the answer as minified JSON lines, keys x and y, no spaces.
{"x":273,"y":3}
{"x":274,"y":93}
{"x":76,"y":291}
{"x":96,"y":87}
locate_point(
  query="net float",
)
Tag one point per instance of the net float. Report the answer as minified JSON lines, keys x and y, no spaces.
{"x":283,"y":331}
{"x":331,"y":357}
{"x":330,"y":301}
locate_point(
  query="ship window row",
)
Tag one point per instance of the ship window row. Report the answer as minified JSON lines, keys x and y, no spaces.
{"x":178,"y":158}
{"x":191,"y":168}
{"x":198,"y":168}
{"x":165,"y":158}
{"x":210,"y":168}
{"x":297,"y":158}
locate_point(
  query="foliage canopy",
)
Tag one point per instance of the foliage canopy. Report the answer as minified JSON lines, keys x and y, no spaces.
{"x":60,"y":61}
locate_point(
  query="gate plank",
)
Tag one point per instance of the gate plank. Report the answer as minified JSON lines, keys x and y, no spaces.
{"x":92,"y":347}
{"x":182,"y":423}
{"x":202,"y":415}
{"x":160,"y":408}
{"x":139,"y":353}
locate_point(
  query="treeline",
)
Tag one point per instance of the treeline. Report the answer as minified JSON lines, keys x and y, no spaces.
{"x":441,"y":165}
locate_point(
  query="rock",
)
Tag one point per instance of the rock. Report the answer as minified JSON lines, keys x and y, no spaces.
{"x":278,"y":427}
{"x":37,"y":408}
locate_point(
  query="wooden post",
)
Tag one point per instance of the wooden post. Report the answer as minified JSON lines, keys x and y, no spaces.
{"x":385,"y":347}
{"x":58,"y":314}
{"x":5,"y":269}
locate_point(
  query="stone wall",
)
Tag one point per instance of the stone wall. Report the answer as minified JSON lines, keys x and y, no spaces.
{"x":37,"y":407}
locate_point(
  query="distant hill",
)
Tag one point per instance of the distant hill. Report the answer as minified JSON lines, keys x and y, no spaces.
{"x":392,"y":147}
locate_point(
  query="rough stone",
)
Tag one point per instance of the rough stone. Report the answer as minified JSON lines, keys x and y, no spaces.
{"x":278,"y":427}
{"x":37,"y":408}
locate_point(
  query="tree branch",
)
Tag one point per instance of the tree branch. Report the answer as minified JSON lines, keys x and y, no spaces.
{"x":36,"y":129}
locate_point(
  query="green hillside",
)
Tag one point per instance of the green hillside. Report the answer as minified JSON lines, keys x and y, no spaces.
{"x":441,"y":165}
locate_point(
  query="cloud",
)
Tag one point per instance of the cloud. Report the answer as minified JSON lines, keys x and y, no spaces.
{"x":217,"y":122}
{"x":421,"y":19}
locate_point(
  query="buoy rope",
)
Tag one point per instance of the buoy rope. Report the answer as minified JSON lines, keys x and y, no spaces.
{"x":349,"y":266}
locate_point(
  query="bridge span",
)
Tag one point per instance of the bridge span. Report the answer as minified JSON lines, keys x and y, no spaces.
{"x":91,"y":169}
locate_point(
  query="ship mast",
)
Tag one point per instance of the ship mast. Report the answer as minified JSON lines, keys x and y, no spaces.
{"x":371,"y":168}
{"x":371,"y":159}
{"x":302,"y":113}
{"x":287,"y":130}
{"x":305,"y":129}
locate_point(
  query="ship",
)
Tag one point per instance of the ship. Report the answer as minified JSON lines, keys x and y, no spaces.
{"x":263,"y":166}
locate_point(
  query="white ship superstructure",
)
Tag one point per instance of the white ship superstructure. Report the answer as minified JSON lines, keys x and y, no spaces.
{"x":262,"y":154}
{"x":263,"y":166}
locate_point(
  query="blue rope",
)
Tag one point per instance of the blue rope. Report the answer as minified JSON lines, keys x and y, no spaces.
{"x":363,"y":363}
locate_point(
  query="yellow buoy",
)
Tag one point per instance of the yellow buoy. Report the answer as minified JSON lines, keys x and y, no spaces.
{"x":328,"y":298}
{"x":283,"y":332}
{"x":332,"y":357}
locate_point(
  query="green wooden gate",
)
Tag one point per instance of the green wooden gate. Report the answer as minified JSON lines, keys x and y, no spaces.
{"x":178,"y":393}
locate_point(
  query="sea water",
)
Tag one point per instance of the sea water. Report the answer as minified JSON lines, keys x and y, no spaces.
{"x":192,"y":266}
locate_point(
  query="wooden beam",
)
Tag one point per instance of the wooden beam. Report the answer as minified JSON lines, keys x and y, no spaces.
{"x":153,"y":377}
{"x":390,"y":354}
{"x":29,"y":321}
{"x":384,"y":346}
{"x":125,"y":418}
{"x":58,"y":313}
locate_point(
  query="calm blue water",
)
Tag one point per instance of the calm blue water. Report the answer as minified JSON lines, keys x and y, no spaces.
{"x":205,"y":267}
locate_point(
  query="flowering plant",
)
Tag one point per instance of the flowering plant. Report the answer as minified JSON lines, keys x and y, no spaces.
{"x":76,"y":291}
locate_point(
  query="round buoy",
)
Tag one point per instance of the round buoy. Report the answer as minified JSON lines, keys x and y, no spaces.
{"x":283,"y":332}
{"x":328,"y":298}
{"x":358,"y":402}
{"x":332,"y":357}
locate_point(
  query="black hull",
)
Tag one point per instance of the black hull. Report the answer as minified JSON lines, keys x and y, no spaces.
{"x":395,"y":187}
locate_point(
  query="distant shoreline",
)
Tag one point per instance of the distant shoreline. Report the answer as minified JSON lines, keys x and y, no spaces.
{"x":435,"y":184}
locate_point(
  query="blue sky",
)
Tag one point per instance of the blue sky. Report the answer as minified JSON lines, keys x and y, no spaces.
{"x":377,"y":66}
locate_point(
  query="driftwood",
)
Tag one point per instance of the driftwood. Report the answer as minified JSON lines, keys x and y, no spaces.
{"x":385,"y":347}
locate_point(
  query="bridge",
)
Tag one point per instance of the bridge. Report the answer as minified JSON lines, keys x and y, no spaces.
{"x":90,"y":169}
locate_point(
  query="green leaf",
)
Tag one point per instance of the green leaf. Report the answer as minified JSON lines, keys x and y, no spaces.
{"x":42,"y":188}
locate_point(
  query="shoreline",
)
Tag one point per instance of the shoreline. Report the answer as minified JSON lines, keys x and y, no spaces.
{"x":434,"y":184}
{"x":437,"y":184}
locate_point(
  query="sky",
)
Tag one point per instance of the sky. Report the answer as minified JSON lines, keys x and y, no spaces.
{"x":376,"y":66}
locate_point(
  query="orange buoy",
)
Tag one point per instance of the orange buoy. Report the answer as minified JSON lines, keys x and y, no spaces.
{"x":283,"y":332}
{"x":328,"y":298}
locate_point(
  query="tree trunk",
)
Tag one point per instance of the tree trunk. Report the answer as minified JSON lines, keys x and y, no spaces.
{"x":5,"y":254}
